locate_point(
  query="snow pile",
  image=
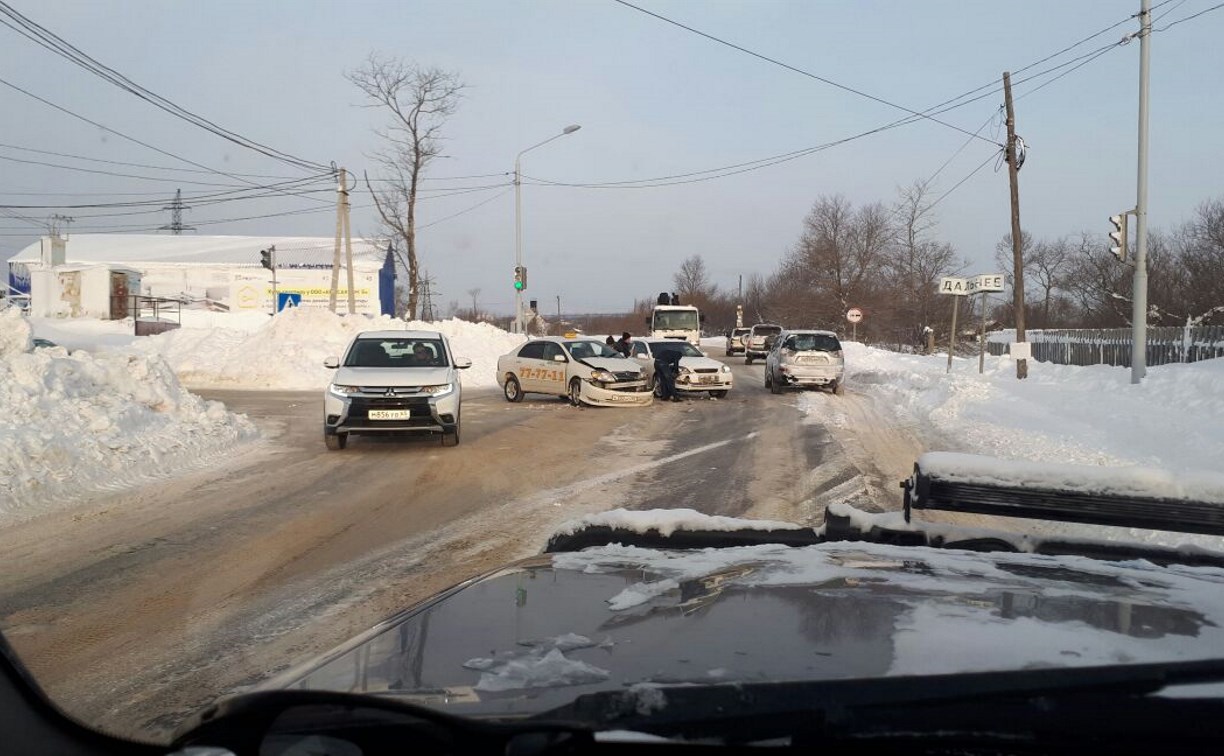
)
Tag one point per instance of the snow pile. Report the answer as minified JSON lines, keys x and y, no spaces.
{"x":76,"y":424}
{"x":288,"y":351}
{"x":542,"y":665}
{"x":665,"y":522}
{"x":1060,"y":413}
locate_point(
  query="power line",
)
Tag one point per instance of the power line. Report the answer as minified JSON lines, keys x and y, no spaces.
{"x":51,"y":41}
{"x":120,"y":134}
{"x":287,"y":188}
{"x":972,"y":173}
{"x":1171,"y":24}
{"x":480,"y":204}
{"x":789,"y":67}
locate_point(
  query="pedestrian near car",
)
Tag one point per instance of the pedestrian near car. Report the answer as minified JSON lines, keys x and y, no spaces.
{"x":667,"y":366}
{"x":625,"y":344}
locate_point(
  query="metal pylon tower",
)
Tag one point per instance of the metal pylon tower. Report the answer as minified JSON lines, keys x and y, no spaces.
{"x":176,"y":208}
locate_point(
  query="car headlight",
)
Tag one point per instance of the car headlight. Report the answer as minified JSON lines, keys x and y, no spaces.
{"x":340,"y":390}
{"x":603,"y":376}
{"x":726,"y":368}
{"x":439,"y":390}
{"x":684,"y":370}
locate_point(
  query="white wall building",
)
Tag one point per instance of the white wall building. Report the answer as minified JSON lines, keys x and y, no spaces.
{"x":223,"y":272}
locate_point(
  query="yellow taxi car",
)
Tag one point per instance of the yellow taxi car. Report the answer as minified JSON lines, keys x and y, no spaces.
{"x":581,"y":369}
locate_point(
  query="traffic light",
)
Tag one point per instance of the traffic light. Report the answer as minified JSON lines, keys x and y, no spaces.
{"x":267,"y":258}
{"x":520,"y":277}
{"x":1117,"y":237}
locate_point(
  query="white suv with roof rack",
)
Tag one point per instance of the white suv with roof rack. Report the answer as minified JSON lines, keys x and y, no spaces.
{"x":394,"y":382}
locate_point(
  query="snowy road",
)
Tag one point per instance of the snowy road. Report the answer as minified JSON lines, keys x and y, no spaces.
{"x":162,"y":598}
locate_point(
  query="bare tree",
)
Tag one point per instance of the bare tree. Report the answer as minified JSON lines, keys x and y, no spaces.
{"x":474,"y":293}
{"x":692,"y":281}
{"x":418,"y":101}
{"x":917,"y":263}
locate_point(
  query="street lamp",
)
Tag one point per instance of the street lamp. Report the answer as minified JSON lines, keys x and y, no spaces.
{"x":518,"y":221}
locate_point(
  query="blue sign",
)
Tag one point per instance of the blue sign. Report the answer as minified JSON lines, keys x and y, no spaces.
{"x":287,"y":299}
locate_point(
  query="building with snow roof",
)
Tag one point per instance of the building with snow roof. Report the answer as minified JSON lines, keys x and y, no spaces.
{"x":222,"y":272}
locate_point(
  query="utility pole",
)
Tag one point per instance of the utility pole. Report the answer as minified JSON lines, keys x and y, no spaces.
{"x":1017,"y":256}
{"x":558,"y":308}
{"x":1140,"y":291}
{"x":343,"y":230}
{"x":176,"y":208}
{"x":341,"y":191}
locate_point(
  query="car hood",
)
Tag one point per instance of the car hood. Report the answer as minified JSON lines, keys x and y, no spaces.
{"x":407,"y":377}
{"x":613,"y":364}
{"x":698,"y":363}
{"x":535,"y":636}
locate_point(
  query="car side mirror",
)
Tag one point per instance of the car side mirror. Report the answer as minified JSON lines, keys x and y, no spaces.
{"x":462,"y":363}
{"x":331,"y":363}
{"x":558,"y":358}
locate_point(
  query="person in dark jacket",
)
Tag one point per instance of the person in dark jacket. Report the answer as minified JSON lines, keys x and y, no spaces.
{"x":667,"y":367}
{"x":624,"y":345}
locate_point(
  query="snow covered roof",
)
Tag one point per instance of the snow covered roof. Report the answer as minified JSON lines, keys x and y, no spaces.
{"x":138,"y":249}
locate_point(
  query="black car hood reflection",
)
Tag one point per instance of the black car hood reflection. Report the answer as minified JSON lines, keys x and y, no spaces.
{"x":535,"y":636}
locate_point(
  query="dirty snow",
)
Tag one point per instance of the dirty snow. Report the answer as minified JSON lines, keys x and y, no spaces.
{"x":80,"y":423}
{"x":668,"y":521}
{"x":543,"y":666}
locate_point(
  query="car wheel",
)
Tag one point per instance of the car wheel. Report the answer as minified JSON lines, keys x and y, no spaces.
{"x":656,"y":385}
{"x":721,"y":394}
{"x":575,"y":391}
{"x":839,"y":388}
{"x":775,"y":386}
{"x":335,"y":441}
{"x":747,"y":359}
{"x":768,"y":378}
{"x":512,"y":390}
{"x":451,"y":437}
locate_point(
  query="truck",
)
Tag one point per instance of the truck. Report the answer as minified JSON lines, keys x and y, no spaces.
{"x":671,"y":320}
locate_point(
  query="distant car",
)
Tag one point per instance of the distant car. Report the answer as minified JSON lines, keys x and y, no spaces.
{"x":698,"y":373}
{"x":756,"y":341}
{"x":41,"y":343}
{"x":805,"y":359}
{"x":394,"y":382}
{"x":735,"y":340}
{"x":582,"y":370}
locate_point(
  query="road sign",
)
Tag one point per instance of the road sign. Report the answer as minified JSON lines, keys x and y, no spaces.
{"x":982,"y":284}
{"x":854,"y":315}
{"x":286,"y":299}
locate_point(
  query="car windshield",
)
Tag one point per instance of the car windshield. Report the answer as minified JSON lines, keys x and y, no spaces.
{"x":675,"y":320}
{"x":683,"y":347}
{"x":396,"y":353}
{"x":581,"y":350}
{"x":598,"y":365}
{"x":812,"y":342}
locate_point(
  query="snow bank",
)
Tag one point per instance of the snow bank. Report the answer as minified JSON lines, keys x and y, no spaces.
{"x":79,"y":423}
{"x":543,"y":665}
{"x":1060,"y":413}
{"x":288,"y":350}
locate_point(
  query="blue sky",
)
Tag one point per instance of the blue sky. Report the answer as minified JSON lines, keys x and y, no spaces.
{"x":652,"y":99}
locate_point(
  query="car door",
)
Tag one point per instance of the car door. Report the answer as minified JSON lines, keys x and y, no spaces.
{"x":529,"y":365}
{"x":552,"y":373}
{"x":641,"y":352}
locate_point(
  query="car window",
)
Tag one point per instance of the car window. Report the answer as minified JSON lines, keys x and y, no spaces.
{"x":396,"y":353}
{"x":639,"y":349}
{"x":533,"y":350}
{"x":551,"y":350}
{"x":582,"y":350}
{"x":812,"y":342}
{"x":766,"y":330}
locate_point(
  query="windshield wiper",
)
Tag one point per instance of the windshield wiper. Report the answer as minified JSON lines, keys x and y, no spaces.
{"x":1060,"y":706}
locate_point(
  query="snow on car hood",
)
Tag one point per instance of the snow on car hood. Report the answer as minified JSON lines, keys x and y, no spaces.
{"x":614,"y":364}
{"x":535,"y":636}
{"x":407,"y":377}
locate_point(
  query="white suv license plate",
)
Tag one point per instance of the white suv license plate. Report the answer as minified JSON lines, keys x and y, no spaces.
{"x":389,"y":414}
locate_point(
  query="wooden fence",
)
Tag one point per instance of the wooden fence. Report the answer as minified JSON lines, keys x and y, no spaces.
{"x":1112,"y":346}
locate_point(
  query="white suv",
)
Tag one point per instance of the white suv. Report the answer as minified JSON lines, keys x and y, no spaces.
{"x":756,"y":341}
{"x":805,"y":359}
{"x":394,"y":382}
